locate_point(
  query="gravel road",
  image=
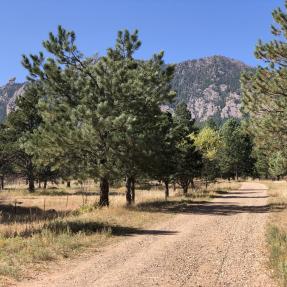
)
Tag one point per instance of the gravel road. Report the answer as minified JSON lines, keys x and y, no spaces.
{"x":220,"y":243}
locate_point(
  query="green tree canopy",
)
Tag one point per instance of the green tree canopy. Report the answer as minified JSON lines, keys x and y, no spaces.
{"x":264,"y":93}
{"x":208,"y":141}
{"x":99,"y":115}
{"x":188,"y":157}
{"x":235,"y":153}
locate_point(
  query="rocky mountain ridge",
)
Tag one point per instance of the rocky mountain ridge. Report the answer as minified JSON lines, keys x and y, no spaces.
{"x":8,"y":96}
{"x":210,"y":86}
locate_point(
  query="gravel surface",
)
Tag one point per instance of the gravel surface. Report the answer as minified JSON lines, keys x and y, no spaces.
{"x":220,"y":243}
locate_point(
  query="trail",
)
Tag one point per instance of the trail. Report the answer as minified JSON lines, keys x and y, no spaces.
{"x":220,"y":243}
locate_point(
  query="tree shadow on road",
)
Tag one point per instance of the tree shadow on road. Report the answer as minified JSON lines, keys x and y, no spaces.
{"x":92,"y":227}
{"x":208,"y":207}
{"x":98,"y":227}
{"x":23,"y":214}
{"x":228,"y":196}
{"x":248,"y":190}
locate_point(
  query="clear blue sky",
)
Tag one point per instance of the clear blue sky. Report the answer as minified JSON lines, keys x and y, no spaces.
{"x":184,"y":29}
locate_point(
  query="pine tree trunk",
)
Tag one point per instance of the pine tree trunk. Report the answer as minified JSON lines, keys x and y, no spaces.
{"x":104,"y":192}
{"x":185,"y":189}
{"x":133,"y":190}
{"x":192,"y":184}
{"x":30,"y":176}
{"x":236,"y":173}
{"x":128,"y":190}
{"x":31,"y":182}
{"x":185,"y":184}
{"x":166,"y":189}
{"x":68,"y":184}
{"x":39,"y":184}
{"x":2,"y":182}
{"x":174,"y":186}
{"x":45,"y":184}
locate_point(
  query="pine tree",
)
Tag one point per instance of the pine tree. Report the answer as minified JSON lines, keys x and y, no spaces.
{"x":188,"y":157}
{"x":277,"y":164}
{"x":20,"y":125}
{"x":143,"y":87}
{"x":164,"y":160}
{"x":235,"y":153}
{"x":7,"y":154}
{"x":261,"y":163}
{"x":264,"y":93}
{"x":78,"y":109}
{"x":98,"y":114}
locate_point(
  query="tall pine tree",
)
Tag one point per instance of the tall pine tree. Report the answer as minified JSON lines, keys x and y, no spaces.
{"x":264,"y":93}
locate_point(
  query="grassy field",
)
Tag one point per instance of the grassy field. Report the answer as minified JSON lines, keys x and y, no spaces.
{"x":277,"y":230}
{"x":59,"y":222}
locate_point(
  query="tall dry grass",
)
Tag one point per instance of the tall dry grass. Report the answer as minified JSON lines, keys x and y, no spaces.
{"x":277,"y":230}
{"x":60,"y":222}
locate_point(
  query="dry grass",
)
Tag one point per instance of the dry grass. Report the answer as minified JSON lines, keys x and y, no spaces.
{"x":277,"y":230}
{"x":58,"y":222}
{"x":223,"y":186}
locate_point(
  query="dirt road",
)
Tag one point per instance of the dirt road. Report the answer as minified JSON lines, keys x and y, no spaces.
{"x":220,"y":243}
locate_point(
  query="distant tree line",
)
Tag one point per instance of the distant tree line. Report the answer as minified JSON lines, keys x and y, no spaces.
{"x":100,"y":118}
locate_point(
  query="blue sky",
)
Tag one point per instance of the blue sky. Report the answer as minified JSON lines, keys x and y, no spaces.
{"x":184,"y":29}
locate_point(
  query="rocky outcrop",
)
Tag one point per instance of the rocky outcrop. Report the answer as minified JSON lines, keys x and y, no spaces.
{"x":8,"y":96}
{"x":210,"y":87}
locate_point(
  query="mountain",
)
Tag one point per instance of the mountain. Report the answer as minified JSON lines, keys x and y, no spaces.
{"x":8,"y":95}
{"x":210,"y":86}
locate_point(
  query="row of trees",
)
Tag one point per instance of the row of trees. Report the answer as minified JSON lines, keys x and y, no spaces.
{"x":100,"y":118}
{"x":227,"y":151}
